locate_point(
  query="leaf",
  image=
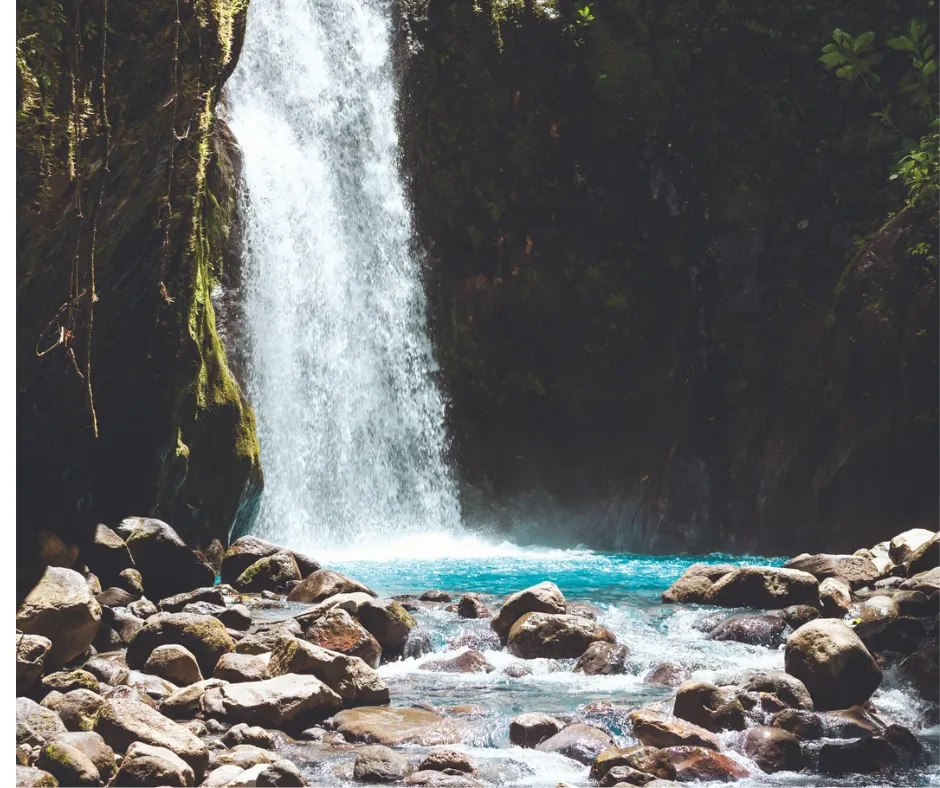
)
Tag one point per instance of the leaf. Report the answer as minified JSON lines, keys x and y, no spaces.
{"x":902,"y":43}
{"x":929,"y":68}
{"x":863,"y":41}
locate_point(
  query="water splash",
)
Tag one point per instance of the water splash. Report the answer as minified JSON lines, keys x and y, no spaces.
{"x":340,"y":368}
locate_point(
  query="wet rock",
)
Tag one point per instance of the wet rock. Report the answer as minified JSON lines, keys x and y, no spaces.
{"x":603,"y":659}
{"x":284,"y":702}
{"x":164,"y":559}
{"x":325,"y":583}
{"x":626,"y":775}
{"x":69,"y":765}
{"x":132,"y":581}
{"x":435,"y":779}
{"x":388,"y":622}
{"x":922,"y":670}
{"x":647,"y":760}
{"x":338,"y":631}
{"x":378,"y":764}
{"x":77,"y":709}
{"x":913,"y":603}
{"x":242,"y":553}
{"x":187,"y":701}
{"x":35,"y":725}
{"x":135,"y":693}
{"x":773,"y":749}
{"x":694,"y":764}
{"x":862,"y":756}
{"x":61,"y":609}
{"x":202,"y":609}
{"x":696,"y":582}
{"x":249,"y":734}
{"x":351,"y":678}
{"x":903,"y":546}
{"x":541,"y":598}
{"x":927,"y":582}
{"x":833,"y":663}
{"x":835,"y":597}
{"x":108,"y":668}
{"x":805,"y":725}
{"x":282,"y":774}
{"x":142,"y":608}
{"x":114,"y":597}
{"x":878,"y":608}
{"x":33,"y":777}
{"x":709,"y":707}
{"x":851,"y":723}
{"x":209,"y":594}
{"x":471,"y":606}
{"x":656,"y":730}
{"x":756,"y":630}
{"x":517,"y":670}
{"x":529,"y":730}
{"x":669,"y":674}
{"x":146,"y":764}
{"x":242,"y":667}
{"x":245,"y":756}
{"x":925,"y":557}
{"x":471,"y":661}
{"x":396,"y":726}
{"x":204,"y":636}
{"x":153,"y":686}
{"x":790,"y":690}
{"x":554,"y":636}
{"x":488,"y":641}
{"x":764,"y":587}
{"x":94,"y":747}
{"x":855,"y":570}
{"x":434,"y":595}
{"x":121,"y":722}
{"x":265,"y":640}
{"x":235,"y":617}
{"x":173,"y":663}
{"x":580,"y":742}
{"x":31,"y":652}
{"x":443,"y":758}
{"x":902,"y":634}
{"x":271,"y":573}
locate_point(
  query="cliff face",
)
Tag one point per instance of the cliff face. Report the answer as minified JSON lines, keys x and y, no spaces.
{"x":677,"y":300}
{"x":125,"y":222}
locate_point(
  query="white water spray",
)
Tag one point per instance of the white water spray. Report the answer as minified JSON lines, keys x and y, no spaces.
{"x":340,"y":368}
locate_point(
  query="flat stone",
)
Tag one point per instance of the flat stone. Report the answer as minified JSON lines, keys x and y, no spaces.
{"x":397,"y":726}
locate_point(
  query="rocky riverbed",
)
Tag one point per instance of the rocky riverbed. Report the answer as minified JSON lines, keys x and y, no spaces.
{"x":152,"y":664}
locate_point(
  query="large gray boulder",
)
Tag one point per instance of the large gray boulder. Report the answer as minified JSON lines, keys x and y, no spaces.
{"x":173,"y":663}
{"x":580,"y":742}
{"x":204,"y":636}
{"x":773,"y":749}
{"x":61,"y":609}
{"x":713,"y":708}
{"x":31,"y":653}
{"x":764,"y":587}
{"x":145,"y":765}
{"x":603,"y":659}
{"x":69,"y":765}
{"x":379,"y":764}
{"x":905,"y":544}
{"x":242,"y":553}
{"x":855,"y":570}
{"x":166,"y":563}
{"x":77,"y":709}
{"x":95,"y":747}
{"x":529,"y":730}
{"x":123,"y":721}
{"x":107,"y":555}
{"x":555,"y":636}
{"x":695,"y":583}
{"x":657,"y":730}
{"x":339,"y":631}
{"x":925,"y":557}
{"x":288,"y":702}
{"x":833,"y":664}
{"x":835,"y":597}
{"x":541,"y":598}
{"x":271,"y":573}
{"x":325,"y":583}
{"x":388,"y":622}
{"x":243,"y":667}
{"x":35,"y":724}
{"x":394,"y":727}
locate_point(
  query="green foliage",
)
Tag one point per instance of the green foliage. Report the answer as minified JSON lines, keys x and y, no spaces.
{"x":919,"y":169}
{"x":917,"y":84}
{"x":853,"y":58}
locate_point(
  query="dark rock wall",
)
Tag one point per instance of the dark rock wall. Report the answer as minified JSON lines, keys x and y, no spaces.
{"x":123,"y":166}
{"x":672,"y":308}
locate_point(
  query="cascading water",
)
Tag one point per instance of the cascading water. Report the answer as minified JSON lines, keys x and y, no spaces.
{"x":340,"y":368}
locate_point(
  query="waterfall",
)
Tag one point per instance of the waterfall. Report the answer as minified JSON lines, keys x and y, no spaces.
{"x":339,"y":365}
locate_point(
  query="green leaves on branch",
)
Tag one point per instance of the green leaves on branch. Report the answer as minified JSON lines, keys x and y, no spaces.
{"x":916,"y":83}
{"x":853,"y":58}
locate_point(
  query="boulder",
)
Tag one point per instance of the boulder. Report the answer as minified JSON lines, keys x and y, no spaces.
{"x":31,"y":653}
{"x":656,"y":730}
{"x":470,"y":661}
{"x":444,"y":758}
{"x":164,"y":559}
{"x":855,"y":570}
{"x":418,"y":644}
{"x":282,"y":774}
{"x":178,"y":602}
{"x":186,"y":702}
{"x":442,"y":780}
{"x":142,"y":608}
{"x":351,"y":678}
{"x":541,"y":598}
{"x":797,"y":615}
{"x":69,"y":765}
{"x":529,"y":730}
{"x":482,"y":640}
{"x":338,"y":631}
{"x":204,"y":636}
{"x":878,"y":608}
{"x":284,"y":702}
{"x":669,"y":674}
{"x":116,"y":597}
{"x":156,"y":688}
{"x":580,"y":742}
{"x":388,"y":622}
{"x":249,"y":734}
{"x":242,"y":553}
{"x":707,"y":706}
{"x":396,"y":726}
{"x":905,"y":544}
{"x":145,"y":764}
{"x":34,"y":778}
{"x":913,"y":603}
{"x":265,"y":640}
{"x":95,"y":748}
{"x":698,"y":764}
{"x":433,"y":595}
{"x":902,"y":634}
{"x":922,"y":670}
{"x":764,"y":587}
{"x":805,"y":725}
{"x":471,"y":606}
{"x":925,"y":557}
{"x":835,"y":597}
{"x":173,"y":663}
{"x":646,"y":760}
{"x":695,"y":583}
{"x":773,"y":749}
{"x":77,"y":709}
{"x":243,"y":667}
{"x":851,"y":723}
{"x":603,"y":659}
{"x":235,"y":617}
{"x":61,"y":609}
{"x":122,"y":622}
{"x":754,"y":629}
{"x":325,"y":583}
{"x":554,"y":636}
{"x":107,"y":555}
{"x":271,"y":573}
{"x":833,"y":664}
{"x":245,"y":756}
{"x":94,"y":584}
{"x":378,"y":764}
{"x":132,"y":581}
{"x":790,"y":690}
{"x":122,"y":722}
{"x":927,"y":582}
{"x":862,"y":756}
{"x":35,"y":725}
